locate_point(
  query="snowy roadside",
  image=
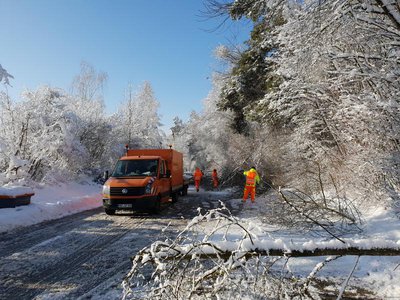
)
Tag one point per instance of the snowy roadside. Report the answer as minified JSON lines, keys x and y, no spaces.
{"x":380,"y":229}
{"x":52,"y":202}
{"x":253,"y":229}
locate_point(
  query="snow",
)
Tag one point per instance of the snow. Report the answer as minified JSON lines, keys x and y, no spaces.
{"x":50,"y":202}
{"x":380,"y":229}
{"x":14,"y":191}
{"x":211,"y":233}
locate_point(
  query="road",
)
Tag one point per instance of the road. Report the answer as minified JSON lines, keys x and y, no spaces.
{"x":87,"y":255}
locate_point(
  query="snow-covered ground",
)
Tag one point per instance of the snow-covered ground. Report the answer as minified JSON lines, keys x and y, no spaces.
{"x":375,"y":276}
{"x":52,"y":202}
{"x":380,"y":229}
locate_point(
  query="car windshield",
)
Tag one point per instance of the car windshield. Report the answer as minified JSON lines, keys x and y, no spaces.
{"x":135,"y":168}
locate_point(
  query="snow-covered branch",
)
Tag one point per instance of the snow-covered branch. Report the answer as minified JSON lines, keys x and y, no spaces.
{"x":4,"y":76}
{"x":215,"y":257}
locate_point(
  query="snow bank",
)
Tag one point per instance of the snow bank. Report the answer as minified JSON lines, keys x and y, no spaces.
{"x":14,"y":191}
{"x":50,"y":202}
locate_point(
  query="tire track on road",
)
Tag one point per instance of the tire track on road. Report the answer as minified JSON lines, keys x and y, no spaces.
{"x":22,"y":238}
{"x":81,"y":256}
{"x":35,"y":282}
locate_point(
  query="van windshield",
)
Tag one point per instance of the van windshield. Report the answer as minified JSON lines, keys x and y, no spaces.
{"x":135,"y":168}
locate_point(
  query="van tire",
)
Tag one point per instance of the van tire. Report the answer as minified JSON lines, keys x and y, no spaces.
{"x":175,"y":197}
{"x":157,"y":205}
{"x":184,"y":191}
{"x":109,"y":211}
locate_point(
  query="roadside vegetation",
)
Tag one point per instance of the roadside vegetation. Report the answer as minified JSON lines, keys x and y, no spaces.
{"x":312,"y":100}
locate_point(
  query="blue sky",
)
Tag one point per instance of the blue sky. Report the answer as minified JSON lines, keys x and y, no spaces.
{"x":164,"y":42}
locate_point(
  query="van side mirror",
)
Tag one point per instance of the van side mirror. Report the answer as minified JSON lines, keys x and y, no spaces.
{"x":105,"y":175}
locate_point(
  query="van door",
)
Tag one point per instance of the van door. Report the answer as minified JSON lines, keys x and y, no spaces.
{"x":165,"y":182}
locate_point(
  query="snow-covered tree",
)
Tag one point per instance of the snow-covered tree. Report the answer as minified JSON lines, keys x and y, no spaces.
{"x":54,"y":136}
{"x":38,"y":137}
{"x":323,"y":76}
{"x":88,"y":104}
{"x":250,"y":76}
{"x":339,"y":92}
{"x":89,"y":83}
{"x":138,"y":121}
{"x":208,"y":141}
{"x":179,"y":140}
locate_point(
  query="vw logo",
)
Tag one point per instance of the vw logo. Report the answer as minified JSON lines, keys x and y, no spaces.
{"x":124,"y":191}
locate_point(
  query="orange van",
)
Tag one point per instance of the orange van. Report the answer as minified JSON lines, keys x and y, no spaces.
{"x":143,"y":179}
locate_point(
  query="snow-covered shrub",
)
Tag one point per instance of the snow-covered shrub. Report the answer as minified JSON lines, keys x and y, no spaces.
{"x":218,"y":256}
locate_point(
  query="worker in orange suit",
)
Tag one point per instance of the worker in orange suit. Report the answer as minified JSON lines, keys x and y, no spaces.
{"x":198,"y":174}
{"x":215,"y":179}
{"x":252,"y":179}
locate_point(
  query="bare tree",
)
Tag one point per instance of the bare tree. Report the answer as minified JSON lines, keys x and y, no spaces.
{"x":4,"y":76}
{"x":89,"y":84}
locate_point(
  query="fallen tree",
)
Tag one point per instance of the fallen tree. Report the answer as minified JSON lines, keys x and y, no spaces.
{"x":202,"y":251}
{"x":218,"y":256}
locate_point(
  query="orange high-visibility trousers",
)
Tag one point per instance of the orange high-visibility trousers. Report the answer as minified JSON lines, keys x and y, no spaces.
{"x":197,"y":184}
{"x":249,"y":189}
{"x":215,"y":182}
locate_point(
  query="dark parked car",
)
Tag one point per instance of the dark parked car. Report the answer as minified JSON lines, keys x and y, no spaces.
{"x":188,"y":176}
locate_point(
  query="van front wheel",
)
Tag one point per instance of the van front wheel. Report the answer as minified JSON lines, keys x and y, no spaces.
{"x":157,"y":205}
{"x":175,"y":197}
{"x":109,"y":211}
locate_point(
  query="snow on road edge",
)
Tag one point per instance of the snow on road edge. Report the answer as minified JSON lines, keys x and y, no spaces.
{"x":52,"y":202}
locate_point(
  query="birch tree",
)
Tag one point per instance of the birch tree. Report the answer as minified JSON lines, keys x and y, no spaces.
{"x":138,"y":120}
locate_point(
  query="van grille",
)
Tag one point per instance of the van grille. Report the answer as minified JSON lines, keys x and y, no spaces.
{"x":132,"y":191}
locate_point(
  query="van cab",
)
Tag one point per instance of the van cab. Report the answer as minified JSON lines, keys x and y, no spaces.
{"x":143,"y":179}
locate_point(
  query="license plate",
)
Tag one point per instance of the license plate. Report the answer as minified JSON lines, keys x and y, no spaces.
{"x":124,"y":205}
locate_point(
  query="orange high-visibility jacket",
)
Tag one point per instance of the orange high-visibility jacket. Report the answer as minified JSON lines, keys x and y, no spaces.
{"x":197,"y":174}
{"x":214,"y":175}
{"x":252,"y":177}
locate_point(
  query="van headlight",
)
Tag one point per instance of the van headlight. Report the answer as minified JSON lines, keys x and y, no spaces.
{"x":148,"y":188}
{"x":106,"y":190}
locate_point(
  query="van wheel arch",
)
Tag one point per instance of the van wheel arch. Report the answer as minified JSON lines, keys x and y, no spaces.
{"x":157,"y":205}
